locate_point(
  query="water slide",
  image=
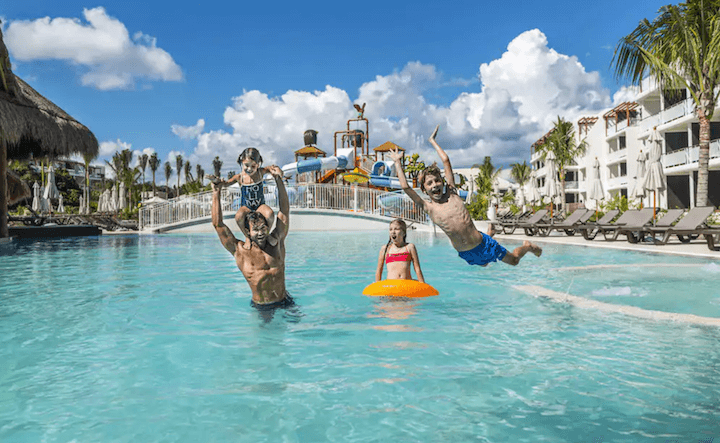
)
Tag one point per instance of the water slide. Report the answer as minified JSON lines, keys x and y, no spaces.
{"x":345,"y":159}
{"x":383,"y":174}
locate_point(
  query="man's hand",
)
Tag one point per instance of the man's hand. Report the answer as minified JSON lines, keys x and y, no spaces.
{"x":275,"y":171}
{"x":396,"y":155}
{"x":216,"y":186}
{"x":434,"y":134}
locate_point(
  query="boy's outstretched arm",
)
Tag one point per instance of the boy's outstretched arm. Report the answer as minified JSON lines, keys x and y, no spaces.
{"x":449,"y":177}
{"x":397,"y":158}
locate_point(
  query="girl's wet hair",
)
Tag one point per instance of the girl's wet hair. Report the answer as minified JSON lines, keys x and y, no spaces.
{"x":430,"y":170}
{"x":252,"y":154}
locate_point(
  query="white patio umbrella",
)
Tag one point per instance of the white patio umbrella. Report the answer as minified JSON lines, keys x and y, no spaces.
{"x":60,"y":208}
{"x":655,"y":177}
{"x":521,"y":196}
{"x":639,"y":190}
{"x":533,"y":193}
{"x":122,"y":201}
{"x":595,"y":192}
{"x":551,"y":182}
{"x":114,"y":200}
{"x":36,"y":197}
{"x":51,"y":190}
{"x":82,"y":205}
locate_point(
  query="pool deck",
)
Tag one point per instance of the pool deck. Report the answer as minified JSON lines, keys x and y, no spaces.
{"x":696,"y":248}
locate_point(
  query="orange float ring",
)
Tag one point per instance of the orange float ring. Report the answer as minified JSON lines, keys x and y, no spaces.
{"x":400,"y":288}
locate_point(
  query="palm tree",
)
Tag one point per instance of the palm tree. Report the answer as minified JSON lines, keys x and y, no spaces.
{"x":217,"y":166}
{"x":520,"y":172}
{"x":188,"y":174}
{"x":200,"y":173}
{"x":487,"y":175}
{"x":168,"y":173}
{"x":680,"y":50}
{"x":142,"y":162}
{"x":179,"y":165}
{"x":154,"y":162}
{"x":561,"y":142}
{"x":414,"y":166}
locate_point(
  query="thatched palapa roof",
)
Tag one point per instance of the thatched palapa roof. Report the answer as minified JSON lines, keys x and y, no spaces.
{"x":30,"y":124}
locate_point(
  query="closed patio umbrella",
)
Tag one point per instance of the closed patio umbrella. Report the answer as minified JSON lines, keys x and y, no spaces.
{"x":551,"y":182}
{"x":533,"y":193}
{"x":60,"y":208}
{"x":36,"y":197}
{"x":639,"y":190}
{"x":122,"y":201}
{"x":113,"y":206}
{"x":595,"y":192}
{"x":51,"y":190}
{"x":655,"y":177}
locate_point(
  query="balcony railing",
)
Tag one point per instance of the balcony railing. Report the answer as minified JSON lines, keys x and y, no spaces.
{"x":316,"y":196}
{"x":617,"y":182}
{"x":617,"y":156}
{"x":689,"y":156}
{"x":678,"y":110}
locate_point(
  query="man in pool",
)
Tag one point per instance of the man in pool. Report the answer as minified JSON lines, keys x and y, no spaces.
{"x":262,"y":261}
{"x":447,"y":210}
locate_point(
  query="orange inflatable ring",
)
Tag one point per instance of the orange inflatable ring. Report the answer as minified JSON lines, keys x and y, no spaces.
{"x":400,"y":288}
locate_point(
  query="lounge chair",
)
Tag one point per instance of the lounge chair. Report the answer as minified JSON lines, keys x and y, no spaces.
{"x":529,"y":225}
{"x":590,"y":230}
{"x":710,"y":234}
{"x":508,"y":225}
{"x":665,"y":221}
{"x":569,"y":225}
{"x":633,"y":227}
{"x":690,"y":227}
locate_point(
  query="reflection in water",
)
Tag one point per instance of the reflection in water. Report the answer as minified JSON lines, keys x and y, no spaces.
{"x":395,"y":308}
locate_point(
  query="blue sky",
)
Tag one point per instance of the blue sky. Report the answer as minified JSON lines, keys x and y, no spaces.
{"x":211,"y":78}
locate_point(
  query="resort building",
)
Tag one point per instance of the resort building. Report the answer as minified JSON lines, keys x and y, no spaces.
{"x":618,"y":137}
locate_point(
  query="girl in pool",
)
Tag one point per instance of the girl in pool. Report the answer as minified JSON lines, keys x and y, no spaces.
{"x":398,"y":254}
{"x":252,"y":197}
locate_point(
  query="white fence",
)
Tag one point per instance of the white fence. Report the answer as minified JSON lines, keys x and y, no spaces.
{"x":318,"y":196}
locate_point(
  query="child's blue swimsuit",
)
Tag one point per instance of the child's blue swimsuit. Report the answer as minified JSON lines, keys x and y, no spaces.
{"x":252,"y":196}
{"x":486,"y":252}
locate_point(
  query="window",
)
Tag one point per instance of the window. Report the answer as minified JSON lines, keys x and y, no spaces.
{"x":623,"y":169}
{"x":623,"y":144}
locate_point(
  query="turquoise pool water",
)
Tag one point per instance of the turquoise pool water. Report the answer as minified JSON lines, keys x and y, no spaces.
{"x":127,"y":339}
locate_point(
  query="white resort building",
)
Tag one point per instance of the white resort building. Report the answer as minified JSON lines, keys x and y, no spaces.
{"x":618,"y":136}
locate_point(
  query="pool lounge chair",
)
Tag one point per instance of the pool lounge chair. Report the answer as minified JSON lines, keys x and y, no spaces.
{"x":633,"y":227}
{"x":690,"y":227}
{"x":529,"y":225}
{"x":712,"y":236}
{"x":590,"y":230}
{"x":665,"y":221}
{"x":508,"y":225}
{"x":569,"y":225}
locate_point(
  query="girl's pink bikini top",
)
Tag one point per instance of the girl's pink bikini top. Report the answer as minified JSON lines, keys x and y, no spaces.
{"x":400,"y":256}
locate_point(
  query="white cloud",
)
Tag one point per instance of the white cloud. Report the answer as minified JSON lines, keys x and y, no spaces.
{"x":102,"y":44}
{"x":625,"y":94}
{"x":522,"y":93}
{"x":189,"y":132}
{"x":108,"y":148}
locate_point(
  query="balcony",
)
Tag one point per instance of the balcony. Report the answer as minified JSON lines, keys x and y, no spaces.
{"x":689,"y":156}
{"x":679,"y":110}
{"x":621,"y":125}
{"x":617,"y":156}
{"x":618,"y":182}
{"x":572,"y":185}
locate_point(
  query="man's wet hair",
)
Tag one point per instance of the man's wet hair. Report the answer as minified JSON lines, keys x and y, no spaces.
{"x":251,"y":153}
{"x":430,"y":170}
{"x":254,"y":218}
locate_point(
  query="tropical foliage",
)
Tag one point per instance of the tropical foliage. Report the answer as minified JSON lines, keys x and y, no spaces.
{"x":680,"y":49}
{"x":566,"y":148}
{"x":487,"y":174}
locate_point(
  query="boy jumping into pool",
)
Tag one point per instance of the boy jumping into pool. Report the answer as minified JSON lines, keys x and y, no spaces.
{"x":261,"y":260}
{"x":447,"y":210}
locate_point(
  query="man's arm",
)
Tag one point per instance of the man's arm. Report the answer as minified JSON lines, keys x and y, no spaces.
{"x":449,"y":177}
{"x":397,"y":157}
{"x":283,"y":218}
{"x":226,"y":236}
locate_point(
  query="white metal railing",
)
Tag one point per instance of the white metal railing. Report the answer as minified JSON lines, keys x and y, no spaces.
{"x":617,"y":156}
{"x":617,"y":182}
{"x":667,"y":115}
{"x":571,"y":185}
{"x":689,"y":155}
{"x":650,"y":122}
{"x":316,"y":195}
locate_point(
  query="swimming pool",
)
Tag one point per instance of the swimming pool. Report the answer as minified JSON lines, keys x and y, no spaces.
{"x":151,"y":338}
